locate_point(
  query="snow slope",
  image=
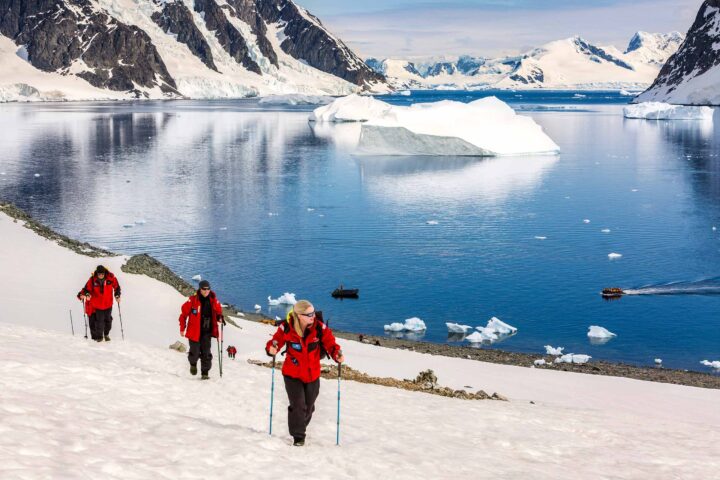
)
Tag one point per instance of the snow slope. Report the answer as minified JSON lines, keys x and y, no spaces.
{"x":76,"y":409}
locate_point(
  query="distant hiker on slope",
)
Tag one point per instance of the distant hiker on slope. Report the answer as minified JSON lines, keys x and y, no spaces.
{"x":306,"y":337}
{"x":98,"y":295}
{"x":231,"y":352}
{"x":199,"y":318}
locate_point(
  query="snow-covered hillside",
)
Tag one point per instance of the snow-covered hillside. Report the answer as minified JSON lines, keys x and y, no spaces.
{"x":179,"y":48}
{"x":692,"y":75}
{"x":77,"y":409}
{"x":572,"y":63}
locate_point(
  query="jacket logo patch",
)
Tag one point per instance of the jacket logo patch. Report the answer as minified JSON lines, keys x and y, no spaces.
{"x":294,"y":361}
{"x":296,"y":346}
{"x":194,"y":311}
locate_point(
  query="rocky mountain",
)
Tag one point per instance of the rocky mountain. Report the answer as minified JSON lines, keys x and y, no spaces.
{"x":572,"y":63}
{"x":173,"y":48}
{"x":692,"y":75}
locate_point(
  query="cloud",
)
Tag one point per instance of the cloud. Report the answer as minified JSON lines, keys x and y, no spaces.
{"x":502,"y":27}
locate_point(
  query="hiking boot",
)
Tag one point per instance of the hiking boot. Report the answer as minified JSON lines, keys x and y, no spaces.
{"x":98,"y":339}
{"x":298,"y":442}
{"x":205,"y":376}
{"x":107,"y":339}
{"x":193,"y":370}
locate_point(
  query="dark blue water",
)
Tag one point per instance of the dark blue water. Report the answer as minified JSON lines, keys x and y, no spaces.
{"x":261,"y":203}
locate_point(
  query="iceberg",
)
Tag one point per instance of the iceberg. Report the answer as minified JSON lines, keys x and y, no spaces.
{"x":498,"y":326}
{"x":258,"y":307}
{"x":666,"y":111}
{"x":485,"y":127}
{"x":284,"y":299}
{"x":614,"y":256}
{"x":539,"y":362}
{"x":457,"y":328}
{"x":197,"y":278}
{"x":413,"y":324}
{"x":394,"y":327}
{"x":573,"y":358}
{"x":476,"y":337}
{"x":600,"y":332}
{"x":715,"y":364}
{"x":554,"y":350}
{"x":296,"y":99}
{"x":353,"y":108}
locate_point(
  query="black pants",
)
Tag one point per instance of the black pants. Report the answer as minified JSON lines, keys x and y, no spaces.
{"x":100,"y":323}
{"x":302,"y":398}
{"x":201,"y":350}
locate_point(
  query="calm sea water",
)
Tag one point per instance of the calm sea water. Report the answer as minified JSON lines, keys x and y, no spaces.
{"x":260,"y":202}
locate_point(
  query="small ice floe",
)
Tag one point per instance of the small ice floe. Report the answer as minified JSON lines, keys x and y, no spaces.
{"x":240,"y":314}
{"x":614,"y":256}
{"x":714,"y":229}
{"x":197,"y":278}
{"x":666,"y":111}
{"x":277,"y":318}
{"x":457,"y":328}
{"x":413,"y":324}
{"x":625,"y":93}
{"x":495,"y":330}
{"x":554,"y":350}
{"x":258,"y":307}
{"x":432,"y":222}
{"x":223,"y":228}
{"x":273,"y":214}
{"x":128,"y":225}
{"x":36,"y":175}
{"x":587,"y":220}
{"x":658,"y":361}
{"x":223,"y":305}
{"x":310,"y":209}
{"x":573,"y":358}
{"x":498,"y":326}
{"x":477,"y":337}
{"x":540,"y":238}
{"x":404,"y":93}
{"x":284,"y":299}
{"x":353,"y":108}
{"x":634,"y":190}
{"x":715,"y":364}
{"x":605,"y":230}
{"x":539,"y":362}
{"x":579,"y":95}
{"x":599,"y":332}
{"x":140,"y":221}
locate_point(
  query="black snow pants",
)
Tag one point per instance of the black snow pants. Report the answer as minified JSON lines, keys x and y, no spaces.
{"x":302,"y":398}
{"x":201,"y":350}
{"x":100,"y":323}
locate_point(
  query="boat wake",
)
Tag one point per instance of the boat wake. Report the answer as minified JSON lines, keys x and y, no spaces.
{"x":708,"y":286}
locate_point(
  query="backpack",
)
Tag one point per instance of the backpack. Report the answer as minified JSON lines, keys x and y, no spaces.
{"x":318,"y":332}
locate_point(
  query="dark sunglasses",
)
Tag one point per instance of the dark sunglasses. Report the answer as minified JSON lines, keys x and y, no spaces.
{"x":309,"y":314}
{"x":205,"y":288}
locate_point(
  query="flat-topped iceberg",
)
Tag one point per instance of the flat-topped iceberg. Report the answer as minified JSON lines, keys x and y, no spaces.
{"x":457,"y":328}
{"x":296,"y":99}
{"x":666,"y":111}
{"x":413,"y":324}
{"x":573,"y":358}
{"x":353,"y":108}
{"x":485,"y":127}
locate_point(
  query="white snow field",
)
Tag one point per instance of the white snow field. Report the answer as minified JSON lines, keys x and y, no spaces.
{"x":485,"y":127}
{"x":75,"y":409}
{"x":666,"y":111}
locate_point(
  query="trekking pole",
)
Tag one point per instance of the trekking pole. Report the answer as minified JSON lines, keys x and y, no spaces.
{"x":85,"y":317}
{"x":72,"y":327}
{"x":272,"y":387}
{"x":122,"y":331}
{"x":337,"y":437}
{"x":219,"y":344}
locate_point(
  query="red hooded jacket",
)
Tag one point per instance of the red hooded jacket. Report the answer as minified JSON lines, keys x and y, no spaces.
{"x":101,"y":292}
{"x":190,"y":315}
{"x":302,"y":359}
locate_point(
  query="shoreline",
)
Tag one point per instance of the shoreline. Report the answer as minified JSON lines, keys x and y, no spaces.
{"x":146,"y":265}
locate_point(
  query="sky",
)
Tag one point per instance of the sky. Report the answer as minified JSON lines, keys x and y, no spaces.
{"x":490,"y":28}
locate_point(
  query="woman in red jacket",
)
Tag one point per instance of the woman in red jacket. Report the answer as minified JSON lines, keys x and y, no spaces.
{"x":306,"y":336}
{"x":199,"y":319}
{"x":98,"y":294}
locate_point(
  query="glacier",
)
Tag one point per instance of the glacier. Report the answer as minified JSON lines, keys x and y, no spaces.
{"x":666,"y":111}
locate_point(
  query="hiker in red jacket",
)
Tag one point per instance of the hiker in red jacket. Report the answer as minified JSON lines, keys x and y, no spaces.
{"x":231,"y":351}
{"x":199,"y":318}
{"x":98,"y":294}
{"x":306,"y":336}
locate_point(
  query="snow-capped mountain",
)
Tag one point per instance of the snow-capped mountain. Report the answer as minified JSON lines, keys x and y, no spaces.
{"x":572,"y":63}
{"x":692,"y":75}
{"x":159,"y":49}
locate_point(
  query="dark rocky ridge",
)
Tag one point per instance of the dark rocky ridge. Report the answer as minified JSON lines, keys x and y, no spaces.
{"x":228,"y":36}
{"x":696,"y":55}
{"x":121,"y":56}
{"x":246,"y":10}
{"x":176,"y":19}
{"x":306,"y":40}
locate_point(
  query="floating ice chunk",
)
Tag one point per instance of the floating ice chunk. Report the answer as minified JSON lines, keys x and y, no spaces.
{"x":277,"y":318}
{"x":404,"y":93}
{"x":197,"y":278}
{"x":614,"y":256}
{"x":625,"y":93}
{"x":272,"y":214}
{"x":554,"y":350}
{"x":353,"y":108}
{"x":310,"y":209}
{"x":605,"y":230}
{"x":240,"y":314}
{"x":579,"y":95}
{"x":715,"y":364}
{"x":485,"y":127}
{"x":486,"y":334}
{"x":599,"y":332}
{"x":223,"y":228}
{"x":36,"y":175}
{"x":414,"y":324}
{"x":498,"y":326}
{"x":714,"y":229}
{"x":540,"y":238}
{"x":634,"y":190}
{"x":128,"y":225}
{"x":284,"y":299}
{"x":457,"y":328}
{"x":476,"y":337}
{"x":140,"y":221}
{"x":296,"y":99}
{"x":587,"y":220}
{"x":258,"y":307}
{"x":432,"y":222}
{"x":394,"y":327}
{"x":573,"y":358}
{"x":666,"y":111}
{"x":539,"y":362}
{"x":658,"y":361}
